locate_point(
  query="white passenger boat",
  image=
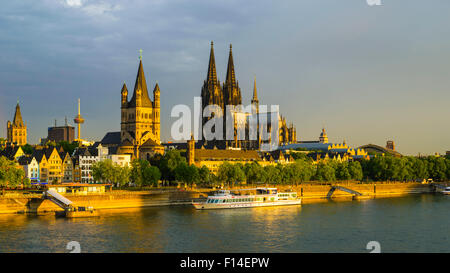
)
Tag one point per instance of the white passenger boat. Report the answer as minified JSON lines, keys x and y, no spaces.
{"x":446,"y":191}
{"x":264,"y":197}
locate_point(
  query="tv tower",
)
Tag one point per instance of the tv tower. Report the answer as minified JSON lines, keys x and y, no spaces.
{"x":79,"y":120}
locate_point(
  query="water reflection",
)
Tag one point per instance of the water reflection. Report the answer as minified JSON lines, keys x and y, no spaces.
{"x":405,"y":224}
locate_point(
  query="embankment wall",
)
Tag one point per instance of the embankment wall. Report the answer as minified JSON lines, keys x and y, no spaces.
{"x":20,"y":203}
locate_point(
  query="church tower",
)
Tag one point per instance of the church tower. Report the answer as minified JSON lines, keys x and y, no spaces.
{"x":17,"y":130}
{"x":323,"y":136}
{"x":157,"y":111}
{"x":231,"y":90}
{"x":211,"y":91}
{"x":140,"y":119}
{"x":232,"y":96}
{"x":255,"y":101}
{"x":255,"y":112}
{"x":191,"y":150}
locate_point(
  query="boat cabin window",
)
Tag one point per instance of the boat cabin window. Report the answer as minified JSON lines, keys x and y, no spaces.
{"x":266,"y":191}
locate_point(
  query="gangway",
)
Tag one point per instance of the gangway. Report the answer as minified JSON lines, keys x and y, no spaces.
{"x":440,"y":186}
{"x":70,"y":210}
{"x":58,"y":199}
{"x":334,"y":188}
{"x":348,"y":190}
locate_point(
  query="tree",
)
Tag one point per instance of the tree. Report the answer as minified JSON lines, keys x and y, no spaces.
{"x":272,"y":175}
{"x":305,"y":170}
{"x":355,"y":169}
{"x":122,"y":175}
{"x":11,"y":174}
{"x":68,"y":147}
{"x":109,"y":172}
{"x":342,"y":171}
{"x":187,"y":173}
{"x":437,"y":168}
{"x":27,"y":149}
{"x":103,"y":171}
{"x":169,"y":163}
{"x":253,"y":172}
{"x":143,"y":174}
{"x":151,"y":175}
{"x":205,"y":175}
{"x":51,"y":143}
{"x":325,"y":172}
{"x":231,"y":173}
{"x":136,"y":173}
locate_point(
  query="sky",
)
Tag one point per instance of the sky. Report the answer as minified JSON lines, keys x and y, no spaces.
{"x":368,"y":74}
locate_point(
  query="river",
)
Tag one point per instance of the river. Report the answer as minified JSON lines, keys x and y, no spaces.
{"x":415,"y":223}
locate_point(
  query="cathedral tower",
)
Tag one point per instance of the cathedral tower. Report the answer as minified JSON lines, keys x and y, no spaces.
{"x":17,"y":130}
{"x":231,"y":90}
{"x":211,"y":91}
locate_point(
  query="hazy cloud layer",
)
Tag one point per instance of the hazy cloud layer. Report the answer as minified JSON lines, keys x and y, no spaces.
{"x":367,"y":73}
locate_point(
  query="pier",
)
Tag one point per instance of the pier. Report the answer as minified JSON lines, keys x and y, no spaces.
{"x":70,"y":211}
{"x":438,"y":186}
{"x":355,"y":194}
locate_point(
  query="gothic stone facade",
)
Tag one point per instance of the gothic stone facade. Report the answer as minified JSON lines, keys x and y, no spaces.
{"x":140,"y":120}
{"x":213,"y":93}
{"x":17,"y":130}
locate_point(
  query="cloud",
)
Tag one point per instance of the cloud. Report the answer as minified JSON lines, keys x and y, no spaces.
{"x":74,"y":3}
{"x":94,"y":9}
{"x":100,"y":9}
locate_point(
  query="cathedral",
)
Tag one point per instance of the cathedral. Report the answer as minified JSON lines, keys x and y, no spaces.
{"x":229,"y":93}
{"x":17,"y":130}
{"x":140,"y":120}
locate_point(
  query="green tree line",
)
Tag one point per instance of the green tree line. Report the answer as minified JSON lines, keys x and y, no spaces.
{"x":172,"y":167}
{"x":11,"y":174}
{"x":406,"y":168}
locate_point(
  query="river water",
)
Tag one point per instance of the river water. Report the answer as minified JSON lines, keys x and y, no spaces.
{"x":417,"y":223}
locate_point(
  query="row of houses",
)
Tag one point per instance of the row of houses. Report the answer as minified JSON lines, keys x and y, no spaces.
{"x":53,"y":165}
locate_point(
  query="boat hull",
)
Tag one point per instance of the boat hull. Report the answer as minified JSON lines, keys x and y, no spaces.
{"x":205,"y":206}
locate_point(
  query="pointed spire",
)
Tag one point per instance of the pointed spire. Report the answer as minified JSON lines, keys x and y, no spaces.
{"x":255,"y":92}
{"x":141,"y":85}
{"x":18,"y":116}
{"x":212,"y":74}
{"x":124,"y":94}
{"x":156,"y":89}
{"x":231,"y":76}
{"x":124,"y":88}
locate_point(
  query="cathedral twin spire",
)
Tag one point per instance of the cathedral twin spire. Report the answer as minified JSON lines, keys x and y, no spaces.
{"x":212,"y":92}
{"x":212,"y":74}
